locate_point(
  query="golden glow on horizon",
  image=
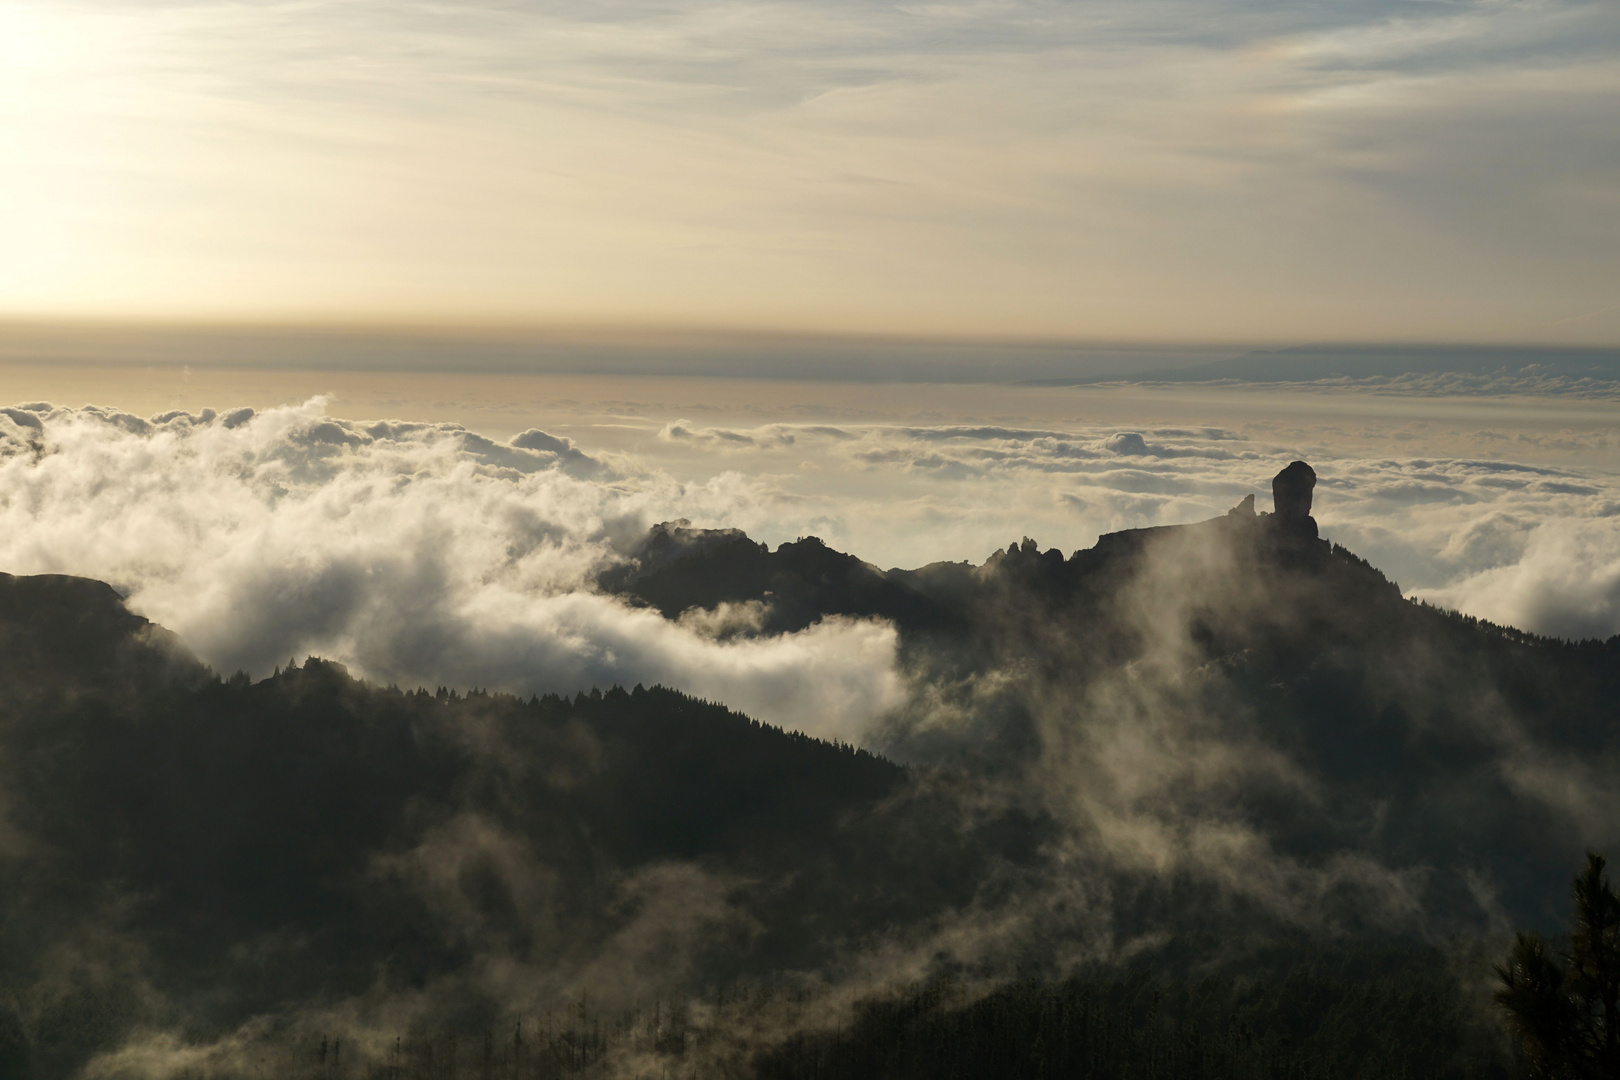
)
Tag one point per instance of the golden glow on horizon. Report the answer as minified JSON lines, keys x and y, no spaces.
{"x":814,"y":168}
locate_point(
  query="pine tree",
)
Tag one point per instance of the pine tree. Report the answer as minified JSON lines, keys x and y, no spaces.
{"x":1565,"y":1016}
{"x":1594,"y":971}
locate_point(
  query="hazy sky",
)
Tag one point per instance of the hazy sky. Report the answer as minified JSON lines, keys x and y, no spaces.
{"x":1159,"y":169}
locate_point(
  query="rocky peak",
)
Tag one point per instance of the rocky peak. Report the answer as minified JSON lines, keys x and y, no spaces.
{"x":1291,"y":490}
{"x":1291,"y":495}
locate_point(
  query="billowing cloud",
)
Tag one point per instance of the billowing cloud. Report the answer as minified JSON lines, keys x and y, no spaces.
{"x":1560,"y":577}
{"x":415,"y":553}
{"x":427,"y":553}
{"x":1529,"y":545}
{"x":717,"y":438}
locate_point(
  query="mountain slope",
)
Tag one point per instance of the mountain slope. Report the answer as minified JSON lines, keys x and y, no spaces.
{"x":184,"y":847}
{"x":1241,"y":674}
{"x":1198,"y":747}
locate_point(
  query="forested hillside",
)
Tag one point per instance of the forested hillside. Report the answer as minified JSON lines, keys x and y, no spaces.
{"x":1353,"y":720}
{"x":214,"y":848}
{"x":1213,"y":800}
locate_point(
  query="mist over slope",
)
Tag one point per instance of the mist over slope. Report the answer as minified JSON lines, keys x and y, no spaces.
{"x":195,"y":856}
{"x":1236,"y":701}
{"x":1188,"y":747}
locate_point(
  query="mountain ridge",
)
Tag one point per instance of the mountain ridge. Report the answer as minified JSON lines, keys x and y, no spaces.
{"x":1192,"y":744}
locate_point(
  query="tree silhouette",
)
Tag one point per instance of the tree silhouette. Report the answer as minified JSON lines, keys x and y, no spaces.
{"x":1565,"y":1015}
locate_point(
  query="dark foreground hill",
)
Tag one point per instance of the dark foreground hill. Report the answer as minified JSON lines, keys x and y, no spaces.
{"x":185,"y":849}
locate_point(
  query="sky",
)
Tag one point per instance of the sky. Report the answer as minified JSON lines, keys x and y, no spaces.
{"x":1167,"y":170}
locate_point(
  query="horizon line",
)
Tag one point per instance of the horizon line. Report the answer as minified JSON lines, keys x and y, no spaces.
{"x":698,"y":335}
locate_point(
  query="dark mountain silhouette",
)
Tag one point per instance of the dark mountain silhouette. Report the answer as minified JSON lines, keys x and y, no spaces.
{"x":1331,"y":1013}
{"x":62,"y":634}
{"x":675,"y":568}
{"x":1428,"y":739}
{"x":182,"y":846}
{"x":1330,"y":783}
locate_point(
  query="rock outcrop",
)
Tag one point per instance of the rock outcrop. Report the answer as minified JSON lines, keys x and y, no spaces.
{"x":1291,"y":490}
{"x":1291,"y":496}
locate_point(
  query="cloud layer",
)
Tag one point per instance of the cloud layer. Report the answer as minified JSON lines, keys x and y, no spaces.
{"x":428,"y":554}
{"x":416,"y":553}
{"x":1525,"y":542}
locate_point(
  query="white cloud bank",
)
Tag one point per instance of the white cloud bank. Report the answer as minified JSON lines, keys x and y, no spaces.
{"x":1531,"y":545}
{"x":1564,"y":581}
{"x":426,"y":554}
{"x":415,"y":553}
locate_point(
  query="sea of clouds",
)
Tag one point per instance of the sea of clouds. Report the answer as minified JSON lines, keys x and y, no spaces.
{"x":427,"y":554}
{"x":1509,"y":533}
{"x":418,"y":554}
